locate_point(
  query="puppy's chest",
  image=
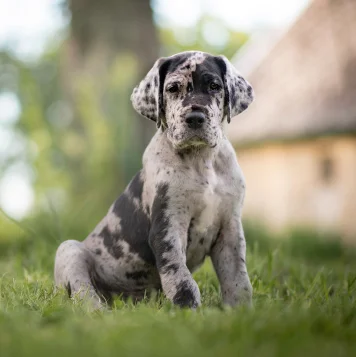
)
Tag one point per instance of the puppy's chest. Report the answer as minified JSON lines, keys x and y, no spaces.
{"x":207,"y":207}
{"x":211,"y":197}
{"x":210,"y":203}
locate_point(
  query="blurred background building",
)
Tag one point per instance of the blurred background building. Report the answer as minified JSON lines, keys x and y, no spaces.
{"x":70,"y":140}
{"x":297,"y":144}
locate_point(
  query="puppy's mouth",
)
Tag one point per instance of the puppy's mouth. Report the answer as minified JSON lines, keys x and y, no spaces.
{"x":195,"y":141}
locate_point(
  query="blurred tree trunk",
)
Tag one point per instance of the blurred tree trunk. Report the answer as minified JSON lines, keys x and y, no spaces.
{"x":100,"y":30}
{"x":103,"y":35}
{"x":120,"y":24}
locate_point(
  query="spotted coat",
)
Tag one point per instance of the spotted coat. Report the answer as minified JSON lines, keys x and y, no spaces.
{"x":183,"y":205}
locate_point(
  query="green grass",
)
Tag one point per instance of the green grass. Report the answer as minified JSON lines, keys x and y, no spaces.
{"x":304,"y":305}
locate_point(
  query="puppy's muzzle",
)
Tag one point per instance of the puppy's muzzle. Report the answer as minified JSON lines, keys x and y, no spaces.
{"x":195,"y":120}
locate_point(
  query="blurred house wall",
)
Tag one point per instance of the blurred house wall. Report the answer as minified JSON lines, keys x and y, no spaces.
{"x":311,"y":182}
{"x":297,"y":144}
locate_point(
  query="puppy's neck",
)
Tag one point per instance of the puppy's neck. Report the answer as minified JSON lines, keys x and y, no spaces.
{"x":195,"y":151}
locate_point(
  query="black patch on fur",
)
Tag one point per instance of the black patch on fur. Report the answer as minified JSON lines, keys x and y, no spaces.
{"x":163,"y":262}
{"x":111,"y":243}
{"x":160,"y":224}
{"x":201,"y":95}
{"x":137,"y":275}
{"x":163,"y":69}
{"x":184,"y":296}
{"x":177,"y":61}
{"x":136,"y":186}
{"x":201,"y":241}
{"x":98,"y":251}
{"x":240,"y":85}
{"x":129,"y":258}
{"x":135,"y":224}
{"x":190,"y":87}
{"x":69,"y":289}
{"x":170,"y":268}
{"x":232,"y":96}
{"x":189,"y":233}
{"x":167,"y":246}
{"x":222,"y":65}
{"x":243,"y":106}
{"x":216,"y":238}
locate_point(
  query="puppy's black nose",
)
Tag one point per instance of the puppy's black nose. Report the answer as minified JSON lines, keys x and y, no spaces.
{"x":195,"y":120}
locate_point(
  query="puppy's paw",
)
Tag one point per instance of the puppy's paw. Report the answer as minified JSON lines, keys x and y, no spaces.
{"x":187,"y":294}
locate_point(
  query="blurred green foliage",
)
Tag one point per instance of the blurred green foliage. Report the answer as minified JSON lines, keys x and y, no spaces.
{"x":208,"y":35}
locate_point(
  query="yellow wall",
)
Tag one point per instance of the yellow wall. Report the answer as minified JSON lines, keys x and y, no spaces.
{"x":310,"y":182}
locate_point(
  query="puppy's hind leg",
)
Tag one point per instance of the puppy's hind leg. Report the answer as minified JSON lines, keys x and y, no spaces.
{"x":73,"y":269}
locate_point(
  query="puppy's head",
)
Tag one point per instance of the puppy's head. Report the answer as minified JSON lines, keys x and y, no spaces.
{"x":189,"y":95}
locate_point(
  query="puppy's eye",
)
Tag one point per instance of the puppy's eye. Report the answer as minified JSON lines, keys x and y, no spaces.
{"x":173,"y":88}
{"x":214,"y":86}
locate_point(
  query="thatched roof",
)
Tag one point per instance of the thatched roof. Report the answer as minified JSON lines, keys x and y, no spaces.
{"x":306,"y":83}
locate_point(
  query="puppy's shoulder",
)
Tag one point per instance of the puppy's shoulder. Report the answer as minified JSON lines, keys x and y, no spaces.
{"x":229,"y":171}
{"x":226,"y":160}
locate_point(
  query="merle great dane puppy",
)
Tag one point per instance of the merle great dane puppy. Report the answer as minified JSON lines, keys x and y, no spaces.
{"x":183,"y":205}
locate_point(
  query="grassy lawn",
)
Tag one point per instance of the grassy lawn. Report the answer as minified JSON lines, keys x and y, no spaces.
{"x":304,"y":305}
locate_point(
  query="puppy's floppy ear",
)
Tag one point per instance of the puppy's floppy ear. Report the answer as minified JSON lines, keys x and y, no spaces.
{"x":238,"y":92}
{"x":147,"y":97}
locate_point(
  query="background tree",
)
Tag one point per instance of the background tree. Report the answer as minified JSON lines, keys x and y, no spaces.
{"x":110,"y":47}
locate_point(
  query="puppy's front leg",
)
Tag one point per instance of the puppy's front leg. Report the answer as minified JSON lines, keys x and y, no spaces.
{"x":228,"y":257}
{"x":168,"y":239}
